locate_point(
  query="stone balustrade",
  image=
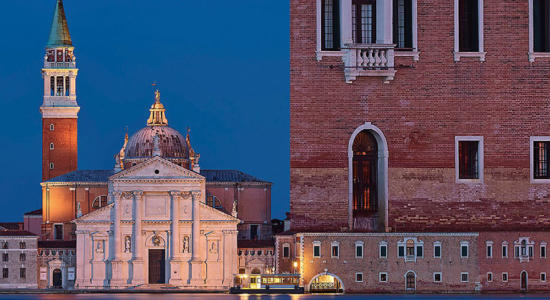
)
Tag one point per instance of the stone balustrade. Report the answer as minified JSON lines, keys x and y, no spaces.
{"x":369,"y":60}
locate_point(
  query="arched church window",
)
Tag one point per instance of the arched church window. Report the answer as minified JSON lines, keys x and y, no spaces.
{"x":99,"y":201}
{"x":365,"y":159}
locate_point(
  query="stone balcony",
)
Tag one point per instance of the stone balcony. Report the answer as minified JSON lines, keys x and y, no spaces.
{"x":60,"y":65}
{"x":373,"y":60}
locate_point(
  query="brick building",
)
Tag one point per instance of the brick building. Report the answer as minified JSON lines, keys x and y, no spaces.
{"x":421,"y":118}
{"x":19,"y":269}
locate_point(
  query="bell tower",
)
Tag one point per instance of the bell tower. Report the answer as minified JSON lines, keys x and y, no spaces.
{"x":59,"y":109}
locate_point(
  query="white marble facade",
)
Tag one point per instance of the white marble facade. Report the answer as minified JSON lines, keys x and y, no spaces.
{"x":156,"y":229}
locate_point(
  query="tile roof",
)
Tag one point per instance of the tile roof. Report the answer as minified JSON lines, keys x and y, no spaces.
{"x":11,"y":225}
{"x":103,"y":176}
{"x":84,"y":176}
{"x":56,"y":244}
{"x":16,"y":233}
{"x":229,"y":176}
{"x":37,"y":212}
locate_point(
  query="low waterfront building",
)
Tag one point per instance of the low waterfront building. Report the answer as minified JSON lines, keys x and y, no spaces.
{"x":19,"y":262}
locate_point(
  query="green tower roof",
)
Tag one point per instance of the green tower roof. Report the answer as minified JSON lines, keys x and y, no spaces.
{"x":59,"y":34}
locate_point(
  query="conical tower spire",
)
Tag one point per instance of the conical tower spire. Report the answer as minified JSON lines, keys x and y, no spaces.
{"x":158,"y":113}
{"x":59,"y":34}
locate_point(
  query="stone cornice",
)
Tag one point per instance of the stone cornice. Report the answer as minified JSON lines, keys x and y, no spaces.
{"x":73,"y":183}
{"x":387,"y":234}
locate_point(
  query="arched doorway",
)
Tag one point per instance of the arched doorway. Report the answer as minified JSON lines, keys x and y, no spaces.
{"x":57,"y":279}
{"x":326,"y":283}
{"x":524,"y":280}
{"x":410,"y":281}
{"x":255,"y":279}
{"x":368,"y":179}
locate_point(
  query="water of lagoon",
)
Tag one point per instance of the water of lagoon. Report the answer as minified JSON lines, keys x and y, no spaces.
{"x":264,"y":297}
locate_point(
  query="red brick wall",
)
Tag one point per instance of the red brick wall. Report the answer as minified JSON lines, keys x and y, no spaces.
{"x":65,"y":154}
{"x":504,"y":99}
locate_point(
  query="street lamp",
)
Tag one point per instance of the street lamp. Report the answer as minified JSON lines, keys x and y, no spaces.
{"x":295,"y":264}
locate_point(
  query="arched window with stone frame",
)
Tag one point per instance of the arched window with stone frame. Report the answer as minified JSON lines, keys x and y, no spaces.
{"x":99,"y":201}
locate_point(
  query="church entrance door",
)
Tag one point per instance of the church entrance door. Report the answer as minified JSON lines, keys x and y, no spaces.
{"x":57,"y":279}
{"x":157,"y":266}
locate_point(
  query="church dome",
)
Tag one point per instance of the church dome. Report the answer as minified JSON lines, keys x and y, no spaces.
{"x":171,"y":143}
{"x":157,"y":139}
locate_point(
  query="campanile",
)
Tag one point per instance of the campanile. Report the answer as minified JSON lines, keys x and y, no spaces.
{"x":59,"y":109}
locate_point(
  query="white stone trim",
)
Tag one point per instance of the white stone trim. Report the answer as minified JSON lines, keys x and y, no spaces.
{"x":362,"y":278}
{"x":440,"y":277}
{"x":380,"y":276}
{"x":382,"y":172}
{"x":532,"y":54}
{"x":480,"y":159}
{"x":504,"y":274}
{"x":362,"y":245}
{"x":505,"y":245}
{"x":415,"y":277}
{"x":316,"y":244}
{"x":532,"y":140}
{"x":380,"y":245}
{"x":491,"y":275}
{"x":415,"y":54}
{"x":307,"y":288}
{"x":334,"y":244}
{"x":467,"y":277}
{"x":480,"y":54}
{"x":489,"y":249}
{"x":526,"y":279}
{"x":543,"y":245}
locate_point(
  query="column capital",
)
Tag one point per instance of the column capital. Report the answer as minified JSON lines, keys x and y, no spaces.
{"x":127,"y":195}
{"x":195,"y":194}
{"x":138,"y":195}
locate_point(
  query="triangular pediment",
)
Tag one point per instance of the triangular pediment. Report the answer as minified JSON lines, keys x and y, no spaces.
{"x":102,"y":214}
{"x":209,"y":213}
{"x":156,"y":168}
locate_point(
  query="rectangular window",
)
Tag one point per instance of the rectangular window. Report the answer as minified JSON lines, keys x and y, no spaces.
{"x":67,"y":85}
{"x":464,"y":277}
{"x":383,"y":251}
{"x":541,"y":163}
{"x":58,"y":231}
{"x":253,"y":232}
{"x":5,"y":257}
{"x":330,"y":25}
{"x":383,"y":277}
{"x":541,"y":25}
{"x":516,"y":252}
{"x":419,"y":251}
{"x":59,"y":86}
{"x":489,"y":277}
{"x":504,"y":277}
{"x":5,"y":273}
{"x":489,"y":251}
{"x":531,"y":251}
{"x":504,"y":251}
{"x":437,"y":277}
{"x":468,"y":25}
{"x":543,"y":277}
{"x":317,"y":250}
{"x":286,"y":251}
{"x":358,"y":251}
{"x":401,"y":251}
{"x":463,"y":250}
{"x":543,"y":251}
{"x":22,"y":257}
{"x":52,"y":85}
{"x":22,"y":273}
{"x":358,"y":277}
{"x":364,"y":21}
{"x":468,"y":157}
{"x":402,"y":24}
{"x":335,"y":251}
{"x":437,"y":251}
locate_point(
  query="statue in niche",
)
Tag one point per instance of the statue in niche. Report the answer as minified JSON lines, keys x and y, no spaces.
{"x":213,"y":249}
{"x":127,"y":244}
{"x":78,"y":210}
{"x":185,"y":248}
{"x":99,"y":247}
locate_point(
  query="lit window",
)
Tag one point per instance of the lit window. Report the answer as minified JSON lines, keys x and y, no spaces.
{"x":504,"y":277}
{"x":358,"y":277}
{"x":383,"y":277}
{"x":541,"y":161}
{"x":437,"y":277}
{"x":464,"y":277}
{"x":335,"y":250}
{"x":489,"y":277}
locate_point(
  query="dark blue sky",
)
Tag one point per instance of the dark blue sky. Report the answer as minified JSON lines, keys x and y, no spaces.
{"x":222,"y":68}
